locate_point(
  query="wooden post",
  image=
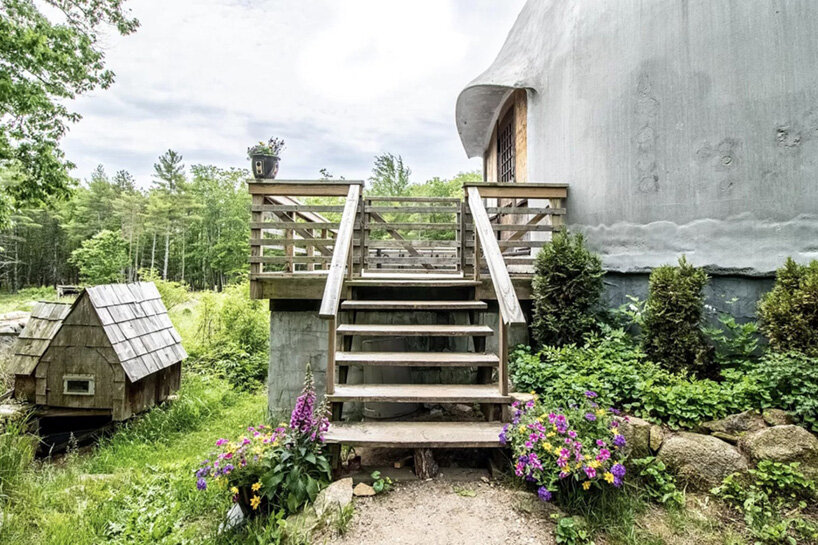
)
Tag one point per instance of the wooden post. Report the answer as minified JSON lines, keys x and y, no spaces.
{"x":332,"y":346}
{"x":425,"y":465}
{"x":289,"y":249}
{"x":476,"y":257}
{"x":255,"y":234}
{"x":556,"y":219}
{"x":502,"y":347}
{"x":311,"y":250}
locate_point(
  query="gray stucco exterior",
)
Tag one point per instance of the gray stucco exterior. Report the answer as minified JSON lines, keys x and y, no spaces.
{"x":682,"y":126}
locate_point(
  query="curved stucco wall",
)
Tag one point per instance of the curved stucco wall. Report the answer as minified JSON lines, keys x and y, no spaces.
{"x":682,"y":126}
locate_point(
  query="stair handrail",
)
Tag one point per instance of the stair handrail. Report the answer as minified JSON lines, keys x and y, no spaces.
{"x":341,"y":254}
{"x":510,"y":312}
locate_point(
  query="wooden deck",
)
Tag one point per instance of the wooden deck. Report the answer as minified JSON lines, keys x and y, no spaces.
{"x":445,"y":259}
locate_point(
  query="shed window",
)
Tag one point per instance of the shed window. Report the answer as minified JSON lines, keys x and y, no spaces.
{"x":506,"y":154}
{"x":80,"y":385}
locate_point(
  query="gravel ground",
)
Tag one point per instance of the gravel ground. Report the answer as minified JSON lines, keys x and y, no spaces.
{"x":448,"y":513}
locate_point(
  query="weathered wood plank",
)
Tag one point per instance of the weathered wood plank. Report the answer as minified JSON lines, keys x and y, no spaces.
{"x":419,"y":393}
{"x":418,"y":359}
{"x":422,"y":260}
{"x":415,"y":226}
{"x":413,"y":209}
{"x":510,"y":310}
{"x":297,"y":208}
{"x":413,"y":305}
{"x":281,"y":225}
{"x":540,"y":227}
{"x":525,"y":210}
{"x":414,"y":199}
{"x":419,"y":244}
{"x":340,"y":256}
{"x":283,"y":260}
{"x":423,"y":330}
{"x":416,"y":434}
{"x":302,"y":188}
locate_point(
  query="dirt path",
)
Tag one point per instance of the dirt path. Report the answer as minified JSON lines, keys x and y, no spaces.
{"x":448,"y":513}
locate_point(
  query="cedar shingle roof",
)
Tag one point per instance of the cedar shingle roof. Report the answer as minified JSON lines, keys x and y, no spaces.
{"x":45,"y":321}
{"x":138,"y":327}
{"x":133,"y":317}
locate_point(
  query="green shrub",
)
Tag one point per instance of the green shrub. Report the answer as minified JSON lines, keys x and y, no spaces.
{"x":572,"y":531}
{"x":232,"y":337}
{"x":772,"y":499}
{"x":672,"y":334}
{"x":102,"y":259}
{"x":566,"y":288}
{"x":735,"y":344}
{"x":789,"y":312}
{"x":173,"y":293}
{"x":612,"y":365}
{"x":791,"y":382}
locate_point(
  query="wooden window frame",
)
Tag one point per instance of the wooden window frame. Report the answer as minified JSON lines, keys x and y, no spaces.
{"x":507,"y":148}
{"x":90,"y":379}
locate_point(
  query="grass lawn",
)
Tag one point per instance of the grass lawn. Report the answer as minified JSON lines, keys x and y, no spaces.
{"x":137,"y":486}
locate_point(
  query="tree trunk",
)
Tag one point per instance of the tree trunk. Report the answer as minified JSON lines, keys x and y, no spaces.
{"x":167,"y":250}
{"x":183,"y":256}
{"x":153,"y":251}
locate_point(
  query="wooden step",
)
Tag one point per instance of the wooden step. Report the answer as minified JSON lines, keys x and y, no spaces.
{"x":411,"y":283}
{"x":424,"y":330}
{"x":414,"y":305}
{"x":416,"y":434}
{"x":417,"y":359}
{"x":419,"y":393}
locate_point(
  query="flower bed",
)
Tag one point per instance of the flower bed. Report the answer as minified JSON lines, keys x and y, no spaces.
{"x":565,"y":450}
{"x":272,"y":469}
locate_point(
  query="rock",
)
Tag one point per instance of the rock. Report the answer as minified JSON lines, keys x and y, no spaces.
{"x":783,"y":444}
{"x":300,"y":526}
{"x":363,"y":489}
{"x":732,"y":439}
{"x":736,"y":424}
{"x":777,"y":417}
{"x":333,"y":498}
{"x":234,"y":518}
{"x":637,"y":435}
{"x":657,"y":436}
{"x":701,"y":459}
{"x":461,"y":409}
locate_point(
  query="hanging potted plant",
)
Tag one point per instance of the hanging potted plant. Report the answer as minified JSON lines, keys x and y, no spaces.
{"x":264,"y":158}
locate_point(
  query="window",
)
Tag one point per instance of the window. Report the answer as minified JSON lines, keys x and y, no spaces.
{"x":506,"y":156}
{"x":78,"y":385}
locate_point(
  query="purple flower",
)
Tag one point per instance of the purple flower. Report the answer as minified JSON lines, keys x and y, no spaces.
{"x":604,"y":454}
{"x":591,"y":472}
{"x":572,"y":434}
{"x":201,"y":484}
{"x":618,"y":470}
{"x":221,"y":442}
{"x":617,"y":482}
{"x":544,"y":494}
{"x":503,"y":437}
{"x":590,"y":417}
{"x":600,"y":443}
{"x":619,"y":440}
{"x":590,"y":395}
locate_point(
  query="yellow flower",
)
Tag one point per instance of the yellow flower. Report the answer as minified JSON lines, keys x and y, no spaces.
{"x":521,"y":429}
{"x":600,"y":412}
{"x":546,"y":446}
{"x":254,"y":502}
{"x":586,"y":485}
{"x":550,"y":434}
{"x":609,"y":477}
{"x":595,"y":464}
{"x":282,"y":424}
{"x":587,"y":457}
{"x":256,"y":486}
{"x":234,"y":490}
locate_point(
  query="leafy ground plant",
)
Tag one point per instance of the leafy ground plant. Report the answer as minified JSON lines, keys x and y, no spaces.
{"x":657,"y":482}
{"x":773,"y":499}
{"x":380,"y":483}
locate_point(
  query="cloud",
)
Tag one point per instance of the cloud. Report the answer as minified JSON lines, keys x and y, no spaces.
{"x":339,"y":81}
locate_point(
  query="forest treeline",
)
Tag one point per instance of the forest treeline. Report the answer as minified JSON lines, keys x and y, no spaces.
{"x":191,"y":225}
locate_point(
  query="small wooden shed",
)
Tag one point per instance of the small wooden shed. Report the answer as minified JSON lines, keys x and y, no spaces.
{"x":114,"y":349}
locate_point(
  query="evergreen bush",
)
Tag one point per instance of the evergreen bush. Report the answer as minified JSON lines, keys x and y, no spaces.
{"x":789,"y":313}
{"x":672,"y":334}
{"x":567,"y":286}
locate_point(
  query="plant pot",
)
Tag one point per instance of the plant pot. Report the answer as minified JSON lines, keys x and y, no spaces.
{"x":264,"y":166}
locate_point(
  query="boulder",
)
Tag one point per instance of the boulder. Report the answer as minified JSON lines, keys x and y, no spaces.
{"x":363,"y":489}
{"x":637,"y":435}
{"x":333,"y":498}
{"x":736,"y":425}
{"x":657,"y":436}
{"x":783,"y":444}
{"x":777,"y":417}
{"x":701,"y":459}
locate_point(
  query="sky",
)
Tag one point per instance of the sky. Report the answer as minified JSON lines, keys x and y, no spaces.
{"x":340,"y":81}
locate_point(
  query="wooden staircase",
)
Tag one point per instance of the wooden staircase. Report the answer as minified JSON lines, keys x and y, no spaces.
{"x":449,"y":315}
